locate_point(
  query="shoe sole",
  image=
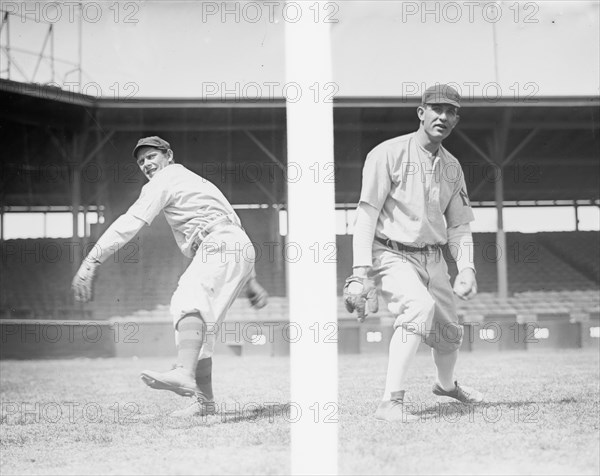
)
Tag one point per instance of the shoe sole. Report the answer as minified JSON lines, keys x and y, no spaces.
{"x":406,"y":418}
{"x":411,"y":419}
{"x":160,"y":385}
{"x":203,"y":413}
{"x":468,"y":402}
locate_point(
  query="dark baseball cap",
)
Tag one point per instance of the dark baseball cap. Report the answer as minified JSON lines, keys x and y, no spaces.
{"x":441,"y":94}
{"x":152,"y":141}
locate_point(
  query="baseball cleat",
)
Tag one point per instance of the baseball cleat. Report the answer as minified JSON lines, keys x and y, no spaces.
{"x":395,"y":410}
{"x":176,"y":380}
{"x":199,"y":407}
{"x":460,"y":393}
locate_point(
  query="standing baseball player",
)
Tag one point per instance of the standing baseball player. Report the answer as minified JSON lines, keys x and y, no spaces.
{"x":413,"y":201}
{"x":207,"y":230}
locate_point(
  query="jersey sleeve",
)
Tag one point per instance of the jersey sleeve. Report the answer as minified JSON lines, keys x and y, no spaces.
{"x":376,"y":179}
{"x":459,"y":212}
{"x":152,"y":200}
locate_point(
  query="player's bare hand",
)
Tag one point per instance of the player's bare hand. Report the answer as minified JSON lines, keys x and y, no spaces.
{"x":465,"y":285}
{"x":83,"y":282}
{"x":257,"y":295}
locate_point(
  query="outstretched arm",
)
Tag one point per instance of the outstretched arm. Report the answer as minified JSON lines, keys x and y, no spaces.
{"x":122,"y":230}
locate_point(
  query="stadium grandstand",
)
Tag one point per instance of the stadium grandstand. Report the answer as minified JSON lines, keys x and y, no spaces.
{"x":67,"y":172}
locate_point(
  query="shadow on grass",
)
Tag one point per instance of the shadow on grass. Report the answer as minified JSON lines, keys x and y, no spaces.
{"x":230,"y":413}
{"x":253,"y":412}
{"x":523,"y":410}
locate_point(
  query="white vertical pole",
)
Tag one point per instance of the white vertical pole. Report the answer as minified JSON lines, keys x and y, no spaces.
{"x":311,"y":239}
{"x":501,"y":264}
{"x":80,"y":40}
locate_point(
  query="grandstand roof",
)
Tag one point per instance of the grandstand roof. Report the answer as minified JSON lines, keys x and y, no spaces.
{"x":553,"y":143}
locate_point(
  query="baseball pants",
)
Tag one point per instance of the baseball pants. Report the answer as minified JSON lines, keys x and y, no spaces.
{"x":416,"y":289}
{"x":220,"y":269}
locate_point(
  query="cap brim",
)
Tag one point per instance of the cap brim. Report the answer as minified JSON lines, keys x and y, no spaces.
{"x":138,"y":147}
{"x":443,"y":101}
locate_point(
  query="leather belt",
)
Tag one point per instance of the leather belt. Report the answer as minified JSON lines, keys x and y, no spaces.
{"x":216,"y":225}
{"x":397,"y":246}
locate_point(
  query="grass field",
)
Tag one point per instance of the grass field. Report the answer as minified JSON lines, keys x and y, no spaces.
{"x":96,"y":417}
{"x":542,"y":417}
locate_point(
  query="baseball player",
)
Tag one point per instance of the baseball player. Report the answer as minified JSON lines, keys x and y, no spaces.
{"x":413,"y":201}
{"x":207,"y":230}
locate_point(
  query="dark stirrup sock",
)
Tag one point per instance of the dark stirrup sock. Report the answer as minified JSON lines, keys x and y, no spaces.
{"x":204,"y":377}
{"x":190,"y":339}
{"x":398,"y":396}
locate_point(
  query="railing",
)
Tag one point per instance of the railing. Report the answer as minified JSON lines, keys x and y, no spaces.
{"x":39,"y":66}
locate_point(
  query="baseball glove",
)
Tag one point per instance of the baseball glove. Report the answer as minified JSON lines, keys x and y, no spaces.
{"x":360,"y":294}
{"x":256,"y":294}
{"x":83,"y":282}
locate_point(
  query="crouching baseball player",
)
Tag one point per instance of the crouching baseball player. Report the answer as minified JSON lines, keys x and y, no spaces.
{"x":207,"y":230}
{"x":413,"y":201}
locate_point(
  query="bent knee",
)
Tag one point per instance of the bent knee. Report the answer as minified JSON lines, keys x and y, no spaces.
{"x":447,"y":338}
{"x":423,"y":308}
{"x":418,"y":312}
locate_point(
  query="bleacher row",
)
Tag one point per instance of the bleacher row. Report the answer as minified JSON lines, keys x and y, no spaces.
{"x":523,"y":307}
{"x":549,"y":273}
{"x":580,"y":248}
